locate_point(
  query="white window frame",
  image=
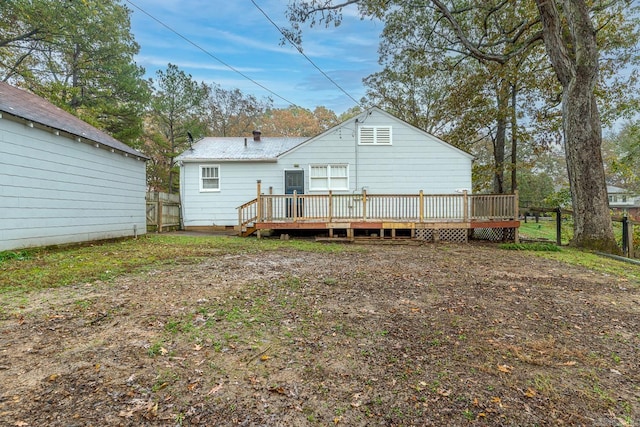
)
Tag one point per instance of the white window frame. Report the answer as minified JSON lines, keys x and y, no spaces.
{"x":329,"y":177}
{"x":377,"y":135}
{"x":202,"y":178}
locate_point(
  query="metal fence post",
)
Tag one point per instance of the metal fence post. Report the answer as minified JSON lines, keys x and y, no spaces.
{"x":625,"y":236}
{"x":630,"y":244}
{"x":558,"y":226}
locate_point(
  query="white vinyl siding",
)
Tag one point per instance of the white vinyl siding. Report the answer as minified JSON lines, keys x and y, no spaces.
{"x":374,"y":135}
{"x":210,"y":178}
{"x":328,"y":177}
{"x":55,"y":190}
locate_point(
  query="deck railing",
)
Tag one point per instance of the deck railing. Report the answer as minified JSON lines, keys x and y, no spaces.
{"x":377,"y":207}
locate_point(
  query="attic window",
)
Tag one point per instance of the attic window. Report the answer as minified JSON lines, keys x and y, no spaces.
{"x":374,"y":135}
{"x":210,"y":178}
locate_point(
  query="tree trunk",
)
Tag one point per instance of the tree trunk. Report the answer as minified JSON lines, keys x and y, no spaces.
{"x":498,"y":155}
{"x":571,"y":44}
{"x":499,"y":144}
{"x":514,"y":139}
{"x":583,"y":139}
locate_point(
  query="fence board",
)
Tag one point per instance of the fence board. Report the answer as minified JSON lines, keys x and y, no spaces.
{"x":163,"y":211}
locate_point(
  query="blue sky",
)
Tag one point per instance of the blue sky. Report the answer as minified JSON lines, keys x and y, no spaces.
{"x":237,"y":33}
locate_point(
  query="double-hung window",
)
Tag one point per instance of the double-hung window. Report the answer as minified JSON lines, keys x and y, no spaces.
{"x":374,"y":135}
{"x":210,"y":178}
{"x":329,"y":177}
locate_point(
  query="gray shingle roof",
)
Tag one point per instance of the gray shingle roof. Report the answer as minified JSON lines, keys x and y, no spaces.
{"x":234,"y":149}
{"x":27,"y":106}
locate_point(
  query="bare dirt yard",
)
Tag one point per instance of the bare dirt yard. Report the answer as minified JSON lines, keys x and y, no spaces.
{"x":409,"y":335}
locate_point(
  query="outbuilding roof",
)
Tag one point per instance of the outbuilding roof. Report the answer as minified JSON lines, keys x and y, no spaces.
{"x":32,"y":108}
{"x":239,"y":149}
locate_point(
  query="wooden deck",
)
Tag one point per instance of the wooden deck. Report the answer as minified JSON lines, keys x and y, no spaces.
{"x":453,"y":217}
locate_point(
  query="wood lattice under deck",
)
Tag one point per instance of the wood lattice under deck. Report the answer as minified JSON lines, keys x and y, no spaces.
{"x":448,"y":217}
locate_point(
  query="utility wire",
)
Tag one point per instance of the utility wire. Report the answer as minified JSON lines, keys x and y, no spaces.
{"x":210,"y":54}
{"x":299,"y":49}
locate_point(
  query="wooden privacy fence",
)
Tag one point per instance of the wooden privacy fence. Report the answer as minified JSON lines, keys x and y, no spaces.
{"x":163,"y":211}
{"x":385,"y":207}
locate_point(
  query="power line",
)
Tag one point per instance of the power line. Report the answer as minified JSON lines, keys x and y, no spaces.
{"x":299,"y":49}
{"x":210,"y":54}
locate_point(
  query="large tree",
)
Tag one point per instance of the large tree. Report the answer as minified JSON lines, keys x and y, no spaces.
{"x":232,"y":113}
{"x":566,"y":26}
{"x":79,"y":55}
{"x":297,"y":122}
{"x":570,"y":40}
{"x":621,"y":151}
{"x":460,"y":89}
{"x":177,"y":112}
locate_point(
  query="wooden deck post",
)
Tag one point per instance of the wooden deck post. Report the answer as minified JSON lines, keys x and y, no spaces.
{"x":465,"y":206}
{"x":259,"y":202}
{"x":330,"y":213}
{"x":421,"y":204}
{"x":364,"y":204}
{"x":269,"y":213}
{"x":516,"y":209}
{"x":294,"y":208}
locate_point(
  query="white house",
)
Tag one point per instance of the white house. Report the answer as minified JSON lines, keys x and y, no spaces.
{"x":374,"y":151}
{"x":622,"y":198}
{"x":624,"y":202}
{"x":62,"y":180}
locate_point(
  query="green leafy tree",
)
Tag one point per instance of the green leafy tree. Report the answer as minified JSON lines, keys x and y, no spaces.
{"x":82,"y":60}
{"x":177,"y":110}
{"x":621,"y":153}
{"x":570,"y":40}
{"x":297,"y":122}
{"x":232,"y":113}
{"x":535,"y":188}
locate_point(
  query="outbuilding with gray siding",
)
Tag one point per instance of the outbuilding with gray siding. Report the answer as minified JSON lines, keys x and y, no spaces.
{"x":62,"y":180}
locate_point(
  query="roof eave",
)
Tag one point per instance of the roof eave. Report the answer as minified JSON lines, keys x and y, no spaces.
{"x":212,"y":159}
{"x":35,"y":124}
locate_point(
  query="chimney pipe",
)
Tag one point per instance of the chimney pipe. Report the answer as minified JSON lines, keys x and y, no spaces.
{"x":245,"y":142}
{"x":256,"y":135}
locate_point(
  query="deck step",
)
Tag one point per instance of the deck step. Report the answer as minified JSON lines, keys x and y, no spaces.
{"x":334,"y":239}
{"x":248,"y":231}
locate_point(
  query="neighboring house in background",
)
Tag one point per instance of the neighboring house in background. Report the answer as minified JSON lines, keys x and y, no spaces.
{"x":622,"y":200}
{"x":62,"y":180}
{"x":374,"y":151}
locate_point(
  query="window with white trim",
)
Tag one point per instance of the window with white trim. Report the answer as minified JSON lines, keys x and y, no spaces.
{"x":374,"y":135}
{"x":328,"y":177}
{"x":210,"y":178}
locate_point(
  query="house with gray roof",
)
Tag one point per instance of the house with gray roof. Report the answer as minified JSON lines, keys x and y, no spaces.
{"x":373,"y":152}
{"x":624,"y":202}
{"x":61,"y":179}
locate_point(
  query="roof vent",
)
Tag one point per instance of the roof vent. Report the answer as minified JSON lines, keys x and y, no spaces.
{"x":256,"y":135}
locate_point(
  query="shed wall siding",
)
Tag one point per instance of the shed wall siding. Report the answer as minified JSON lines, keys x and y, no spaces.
{"x":55,"y":190}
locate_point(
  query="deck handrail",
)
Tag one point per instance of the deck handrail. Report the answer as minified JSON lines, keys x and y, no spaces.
{"x":418,"y":208}
{"x":248,"y":213}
